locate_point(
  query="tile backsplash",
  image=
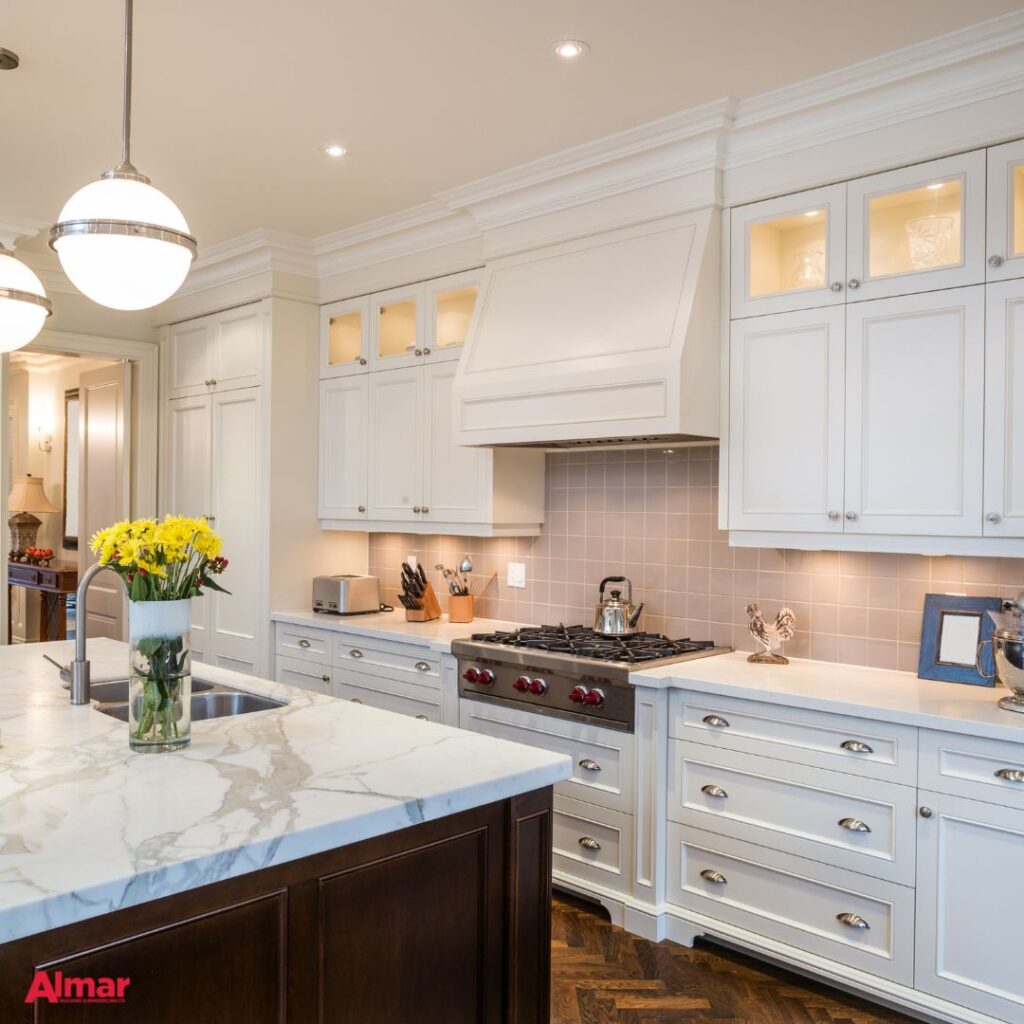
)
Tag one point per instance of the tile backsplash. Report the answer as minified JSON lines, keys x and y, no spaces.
{"x":652,"y":516}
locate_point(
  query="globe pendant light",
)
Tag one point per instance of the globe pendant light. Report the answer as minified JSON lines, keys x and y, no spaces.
{"x":121,"y":241}
{"x":24,"y":306}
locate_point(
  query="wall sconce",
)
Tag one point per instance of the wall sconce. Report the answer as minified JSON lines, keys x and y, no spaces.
{"x":45,"y":440}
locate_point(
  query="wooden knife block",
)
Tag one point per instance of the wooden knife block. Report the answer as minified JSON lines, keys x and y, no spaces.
{"x":430,"y":608}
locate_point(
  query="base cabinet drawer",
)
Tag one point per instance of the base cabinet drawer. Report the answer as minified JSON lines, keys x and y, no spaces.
{"x":592,"y":843}
{"x":852,"y":823}
{"x":304,"y":674}
{"x":849,"y":918}
{"x":388,"y":696}
{"x":974,"y":768}
{"x":391,"y":660}
{"x":602,"y":759}
{"x":859,"y":746}
{"x":303,"y":643}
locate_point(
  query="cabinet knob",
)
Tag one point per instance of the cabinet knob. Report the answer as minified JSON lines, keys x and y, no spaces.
{"x":426,"y":351}
{"x":362,"y":508}
{"x":995,"y":261}
{"x":1010,"y":775}
{"x":993,"y":517}
{"x":362,"y":361}
{"x":418,"y":352}
{"x":424,"y":510}
{"x":853,"y":825}
{"x":326,"y":678}
{"x":423,"y":718}
{"x":416,"y":509}
{"x":856,"y":747}
{"x":716,"y":791}
{"x":834,"y":516}
{"x":853,"y":283}
{"x":209,"y":518}
{"x":851,"y":516}
{"x":589,"y":843}
{"x":925,"y":812}
{"x":715,"y":721}
{"x":836,"y":286}
{"x":713,"y":876}
{"x":589,"y":766}
{"x":853,"y":921}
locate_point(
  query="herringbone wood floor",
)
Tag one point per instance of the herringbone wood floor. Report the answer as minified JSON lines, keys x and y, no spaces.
{"x":602,"y":975}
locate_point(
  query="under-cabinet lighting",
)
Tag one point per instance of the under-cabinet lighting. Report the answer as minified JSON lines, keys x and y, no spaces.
{"x":812,"y":213}
{"x":936,"y":185}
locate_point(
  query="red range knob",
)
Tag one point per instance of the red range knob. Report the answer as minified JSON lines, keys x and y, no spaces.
{"x":522,"y":684}
{"x":486,"y":677}
{"x":471,"y":675}
{"x":538,"y":687}
{"x":595,"y":698}
{"x":578,"y":694}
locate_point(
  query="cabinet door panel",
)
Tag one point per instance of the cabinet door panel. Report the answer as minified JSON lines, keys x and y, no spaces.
{"x":187,"y":485}
{"x":915,"y":414}
{"x":456,"y":484}
{"x":786,"y":408}
{"x":449,"y":306}
{"x":189,"y":364}
{"x":397,"y":328}
{"x":918,"y":228}
{"x":968,"y":908}
{"x":1006,"y":211}
{"x":239,"y":348}
{"x":344,"y":436}
{"x":1004,"y":410}
{"x":238,"y":499}
{"x":345,"y":337}
{"x":396,"y":444}
{"x":789,"y":253}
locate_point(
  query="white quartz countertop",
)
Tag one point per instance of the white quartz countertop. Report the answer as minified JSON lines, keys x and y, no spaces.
{"x":88,"y":827}
{"x":437,"y":635}
{"x":848,"y":690}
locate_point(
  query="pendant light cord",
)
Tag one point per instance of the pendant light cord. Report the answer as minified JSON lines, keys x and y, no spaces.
{"x":126,"y":127}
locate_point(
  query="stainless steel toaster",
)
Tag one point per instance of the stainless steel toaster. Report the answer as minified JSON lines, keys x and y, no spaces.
{"x":346,"y":594}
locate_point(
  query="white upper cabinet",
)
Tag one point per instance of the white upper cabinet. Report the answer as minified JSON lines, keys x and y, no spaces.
{"x":344,"y":441}
{"x":1004,"y":410}
{"x":789,"y":253}
{"x":450,"y":303}
{"x":396,"y":445}
{"x":397,"y":328}
{"x":222,"y":352}
{"x":1006,"y":211}
{"x":787,"y":422}
{"x":917,"y":229}
{"x":345,"y":337}
{"x":915,"y":396}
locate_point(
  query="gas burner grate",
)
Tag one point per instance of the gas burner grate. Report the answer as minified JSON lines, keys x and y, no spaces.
{"x":584,"y":642}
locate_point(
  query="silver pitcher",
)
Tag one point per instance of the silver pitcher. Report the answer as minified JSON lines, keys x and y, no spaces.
{"x":1007,"y":652}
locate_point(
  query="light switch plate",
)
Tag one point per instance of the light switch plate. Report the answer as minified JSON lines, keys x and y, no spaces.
{"x":517,"y":575}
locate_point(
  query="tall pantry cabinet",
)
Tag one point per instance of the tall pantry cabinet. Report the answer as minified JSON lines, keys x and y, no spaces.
{"x":238,"y":436}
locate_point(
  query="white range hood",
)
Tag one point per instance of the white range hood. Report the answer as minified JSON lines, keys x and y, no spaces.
{"x":609,"y":339}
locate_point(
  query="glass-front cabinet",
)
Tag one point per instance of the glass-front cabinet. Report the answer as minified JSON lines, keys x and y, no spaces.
{"x":788,"y":253}
{"x":917,"y":229}
{"x":450,"y":302}
{"x":1006,"y":211}
{"x":344,"y":337}
{"x":397,"y":336}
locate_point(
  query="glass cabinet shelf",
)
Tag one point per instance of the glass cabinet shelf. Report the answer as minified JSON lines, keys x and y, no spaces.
{"x":788,"y":254}
{"x":345,"y":338}
{"x":453,"y":310}
{"x":917,"y":229}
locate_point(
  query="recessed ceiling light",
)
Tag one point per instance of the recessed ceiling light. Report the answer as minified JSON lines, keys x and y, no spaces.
{"x":335,"y":150}
{"x":570,"y":49}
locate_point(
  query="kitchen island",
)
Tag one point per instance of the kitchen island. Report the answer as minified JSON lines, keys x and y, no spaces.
{"x":317,"y":861}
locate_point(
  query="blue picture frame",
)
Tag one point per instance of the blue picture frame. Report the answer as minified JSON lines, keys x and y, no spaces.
{"x":936,"y":608}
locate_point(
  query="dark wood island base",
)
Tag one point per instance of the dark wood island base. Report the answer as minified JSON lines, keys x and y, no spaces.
{"x":446,"y":922}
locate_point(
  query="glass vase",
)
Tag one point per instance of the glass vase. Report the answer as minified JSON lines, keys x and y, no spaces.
{"x":160,"y":683}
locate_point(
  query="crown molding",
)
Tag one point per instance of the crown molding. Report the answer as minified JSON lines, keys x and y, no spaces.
{"x":14,"y":228}
{"x":258,"y":252}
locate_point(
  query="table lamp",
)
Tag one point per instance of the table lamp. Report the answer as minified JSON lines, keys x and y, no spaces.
{"x":26,"y":498}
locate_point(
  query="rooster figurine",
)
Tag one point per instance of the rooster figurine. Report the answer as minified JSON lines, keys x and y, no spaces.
{"x":771,"y":636}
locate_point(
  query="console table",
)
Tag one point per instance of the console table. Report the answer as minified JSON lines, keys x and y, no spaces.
{"x":53,"y":582}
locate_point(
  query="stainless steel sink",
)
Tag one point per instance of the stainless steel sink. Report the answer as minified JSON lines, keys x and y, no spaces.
{"x":222,"y":703}
{"x":116,"y":691}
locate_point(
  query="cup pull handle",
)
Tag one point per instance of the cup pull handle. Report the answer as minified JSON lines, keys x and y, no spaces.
{"x":853,"y":921}
{"x":355,"y":653}
{"x":856,"y":747}
{"x":589,"y":843}
{"x":589,"y":766}
{"x":422,"y":666}
{"x":1010,"y":775}
{"x":716,"y":791}
{"x":853,"y":825}
{"x":716,"y":721}
{"x":356,"y":700}
{"x":304,"y":643}
{"x":713,"y":876}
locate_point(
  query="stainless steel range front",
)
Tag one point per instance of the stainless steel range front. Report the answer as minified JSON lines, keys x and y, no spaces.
{"x":569,"y":672}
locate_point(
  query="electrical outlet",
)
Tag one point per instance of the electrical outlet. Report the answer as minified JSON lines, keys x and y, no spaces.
{"x":517,"y":575}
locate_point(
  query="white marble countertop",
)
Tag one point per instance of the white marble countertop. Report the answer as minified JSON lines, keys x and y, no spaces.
{"x":848,"y":690}
{"x":87,"y":827}
{"x":437,"y":635}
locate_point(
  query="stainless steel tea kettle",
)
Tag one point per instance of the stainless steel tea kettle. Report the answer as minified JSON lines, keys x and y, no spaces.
{"x":1007,"y":652}
{"x":613,"y":616}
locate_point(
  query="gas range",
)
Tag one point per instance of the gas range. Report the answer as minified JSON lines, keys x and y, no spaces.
{"x":568,"y":671}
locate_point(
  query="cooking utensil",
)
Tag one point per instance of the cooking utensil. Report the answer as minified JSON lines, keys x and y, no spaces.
{"x":613,"y":616}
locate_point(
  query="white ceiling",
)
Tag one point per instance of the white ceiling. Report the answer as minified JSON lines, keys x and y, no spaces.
{"x":234,"y":98}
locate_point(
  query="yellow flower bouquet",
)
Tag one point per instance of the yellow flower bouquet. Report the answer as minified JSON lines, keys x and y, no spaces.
{"x":163,"y":565}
